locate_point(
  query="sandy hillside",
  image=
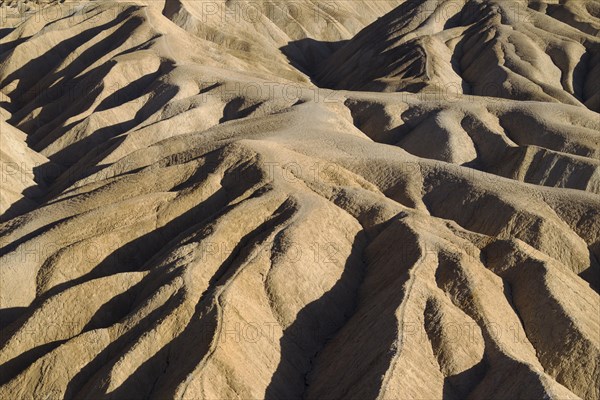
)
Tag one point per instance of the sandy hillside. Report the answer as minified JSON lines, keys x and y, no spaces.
{"x":284,"y":200}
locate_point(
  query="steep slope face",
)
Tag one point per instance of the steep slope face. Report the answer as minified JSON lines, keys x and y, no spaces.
{"x":524,"y":50}
{"x":18,"y":178}
{"x":307,"y":31}
{"x":191,"y":217}
{"x":515,"y":50}
{"x":540,"y":143}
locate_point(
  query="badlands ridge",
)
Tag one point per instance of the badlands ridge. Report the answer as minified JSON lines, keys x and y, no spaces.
{"x":304,"y":199}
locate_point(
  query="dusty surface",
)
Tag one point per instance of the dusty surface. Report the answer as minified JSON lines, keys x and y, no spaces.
{"x":284,"y":200}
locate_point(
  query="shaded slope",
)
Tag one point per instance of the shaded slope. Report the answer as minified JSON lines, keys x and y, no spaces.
{"x":215,"y":226}
{"x":499,"y":49}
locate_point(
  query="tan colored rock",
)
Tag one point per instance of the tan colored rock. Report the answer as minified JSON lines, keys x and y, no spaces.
{"x":188,"y":211}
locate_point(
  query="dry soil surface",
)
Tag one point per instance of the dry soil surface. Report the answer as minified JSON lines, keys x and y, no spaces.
{"x":300,"y":199}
